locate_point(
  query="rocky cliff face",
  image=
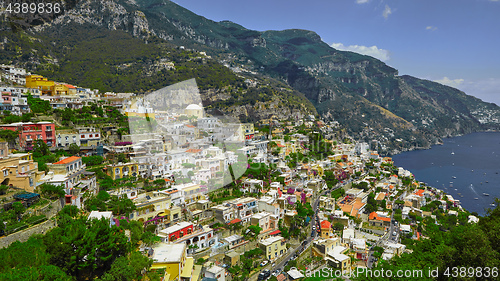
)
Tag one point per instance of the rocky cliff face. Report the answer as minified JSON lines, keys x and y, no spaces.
{"x":362,"y":93}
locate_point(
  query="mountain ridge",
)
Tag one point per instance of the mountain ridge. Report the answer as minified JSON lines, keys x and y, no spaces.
{"x":332,"y":80}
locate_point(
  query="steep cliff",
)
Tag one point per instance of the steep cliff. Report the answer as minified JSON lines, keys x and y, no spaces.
{"x":364,"y":94}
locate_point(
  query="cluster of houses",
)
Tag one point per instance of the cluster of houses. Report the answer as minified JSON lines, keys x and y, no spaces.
{"x":192,"y":152}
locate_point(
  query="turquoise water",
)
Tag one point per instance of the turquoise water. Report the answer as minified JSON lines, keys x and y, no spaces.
{"x":466,"y":167}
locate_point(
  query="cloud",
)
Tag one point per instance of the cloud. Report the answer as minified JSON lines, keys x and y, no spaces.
{"x":373,"y":51}
{"x":362,"y":1}
{"x":431,"y":28}
{"x":487,"y":89}
{"x":387,"y":11}
{"x":455,"y":83}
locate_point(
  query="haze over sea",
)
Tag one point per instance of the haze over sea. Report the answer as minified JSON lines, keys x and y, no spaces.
{"x":474,"y":160}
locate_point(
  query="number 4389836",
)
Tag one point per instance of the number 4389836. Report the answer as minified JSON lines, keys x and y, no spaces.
{"x":31,"y":8}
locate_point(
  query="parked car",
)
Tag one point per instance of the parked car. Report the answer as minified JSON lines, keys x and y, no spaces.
{"x":264,"y":275}
{"x":263,"y":263}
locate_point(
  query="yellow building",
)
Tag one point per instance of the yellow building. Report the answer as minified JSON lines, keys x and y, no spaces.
{"x":39,"y":82}
{"x":318,"y":169}
{"x":19,"y":170}
{"x":322,"y":247}
{"x":192,"y":192}
{"x":337,"y":259}
{"x":59,"y":90}
{"x":326,"y":229}
{"x":150,"y":205}
{"x":173,"y":259}
{"x":274,"y":247}
{"x":122,"y":170}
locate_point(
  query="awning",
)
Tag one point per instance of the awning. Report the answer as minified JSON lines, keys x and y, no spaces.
{"x":276,"y":232}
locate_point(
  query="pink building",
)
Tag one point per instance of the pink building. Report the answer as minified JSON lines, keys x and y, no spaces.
{"x":30,"y":132}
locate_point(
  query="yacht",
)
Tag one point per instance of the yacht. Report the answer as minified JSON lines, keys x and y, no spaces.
{"x":453,"y":177}
{"x":485,"y":194}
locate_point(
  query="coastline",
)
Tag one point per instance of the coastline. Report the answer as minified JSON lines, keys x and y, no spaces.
{"x":475,"y":177}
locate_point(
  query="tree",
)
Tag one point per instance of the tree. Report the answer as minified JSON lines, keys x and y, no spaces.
{"x":255,"y":229}
{"x":10,"y":136}
{"x":18,"y":208}
{"x":127,"y":268}
{"x":3,"y":189}
{"x":338,"y":226}
{"x":74,"y":149}
{"x":85,"y":249}
{"x":38,"y":105}
{"x":40,"y":148}
{"x":149,"y":238}
{"x":52,"y":191}
{"x":121,"y":206}
{"x":122,"y":158}
{"x":92,"y":160}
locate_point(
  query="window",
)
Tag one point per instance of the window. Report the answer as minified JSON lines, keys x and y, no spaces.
{"x":82,"y":136}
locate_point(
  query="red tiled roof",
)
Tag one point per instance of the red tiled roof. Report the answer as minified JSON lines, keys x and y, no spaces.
{"x":68,"y":160}
{"x":280,"y":145}
{"x":325,"y":224}
{"x":235,"y":221}
{"x":375,"y":216}
{"x":190,"y":126}
{"x":70,"y":86}
{"x":192,"y":150}
{"x":419,"y":192}
{"x":372,"y":215}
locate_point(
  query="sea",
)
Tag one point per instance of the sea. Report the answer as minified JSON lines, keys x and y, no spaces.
{"x":466,"y":167}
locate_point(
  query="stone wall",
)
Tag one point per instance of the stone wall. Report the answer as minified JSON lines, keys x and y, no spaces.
{"x":49,"y":210}
{"x":24,"y":235}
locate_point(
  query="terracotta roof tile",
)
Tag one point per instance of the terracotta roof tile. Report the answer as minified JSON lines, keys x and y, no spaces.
{"x":67,"y":160}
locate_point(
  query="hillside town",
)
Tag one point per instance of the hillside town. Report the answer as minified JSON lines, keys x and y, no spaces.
{"x":222,"y":200}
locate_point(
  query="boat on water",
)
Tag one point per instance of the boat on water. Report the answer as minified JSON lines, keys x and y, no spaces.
{"x":455,"y":189}
{"x":475,"y":198}
{"x":453,"y":177}
{"x":485,"y":194}
{"x":452,"y":153}
{"x":492,"y":204}
{"x":486,"y":181}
